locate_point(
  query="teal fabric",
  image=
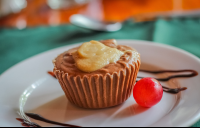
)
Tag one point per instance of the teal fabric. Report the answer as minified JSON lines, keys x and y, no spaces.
{"x":17,"y":45}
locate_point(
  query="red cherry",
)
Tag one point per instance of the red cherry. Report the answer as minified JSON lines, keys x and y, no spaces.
{"x":147,"y":92}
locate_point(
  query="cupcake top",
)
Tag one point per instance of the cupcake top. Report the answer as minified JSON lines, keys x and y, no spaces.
{"x":96,"y":58}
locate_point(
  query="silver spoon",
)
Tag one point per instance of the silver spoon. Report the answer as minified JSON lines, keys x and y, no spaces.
{"x":89,"y":23}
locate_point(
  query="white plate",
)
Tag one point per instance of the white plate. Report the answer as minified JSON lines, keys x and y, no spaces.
{"x":47,"y":97}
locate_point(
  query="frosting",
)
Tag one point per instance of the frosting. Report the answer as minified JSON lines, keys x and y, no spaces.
{"x":94,"y":55}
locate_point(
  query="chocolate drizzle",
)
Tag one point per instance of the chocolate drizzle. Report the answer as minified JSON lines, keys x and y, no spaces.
{"x":173,"y":91}
{"x":51,"y":73}
{"x":192,"y":74}
{"x":40,"y":118}
{"x":27,"y":123}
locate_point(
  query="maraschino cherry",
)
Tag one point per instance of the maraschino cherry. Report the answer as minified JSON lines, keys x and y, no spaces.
{"x":147,"y":92}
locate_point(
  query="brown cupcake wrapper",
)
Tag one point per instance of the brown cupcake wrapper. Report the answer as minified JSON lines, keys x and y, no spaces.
{"x":98,"y":91}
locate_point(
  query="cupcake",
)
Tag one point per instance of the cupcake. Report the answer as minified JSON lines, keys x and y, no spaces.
{"x":97,"y":74}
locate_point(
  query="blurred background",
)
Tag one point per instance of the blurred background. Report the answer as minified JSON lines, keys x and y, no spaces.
{"x":29,"y":13}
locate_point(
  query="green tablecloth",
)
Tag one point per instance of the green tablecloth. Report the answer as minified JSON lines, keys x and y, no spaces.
{"x":17,"y":45}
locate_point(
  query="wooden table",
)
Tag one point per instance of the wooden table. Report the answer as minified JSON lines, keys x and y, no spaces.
{"x":38,"y":13}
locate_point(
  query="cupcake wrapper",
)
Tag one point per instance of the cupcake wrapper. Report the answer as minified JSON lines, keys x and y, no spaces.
{"x":98,"y":91}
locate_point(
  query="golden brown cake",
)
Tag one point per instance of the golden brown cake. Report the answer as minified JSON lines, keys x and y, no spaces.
{"x":108,"y":86}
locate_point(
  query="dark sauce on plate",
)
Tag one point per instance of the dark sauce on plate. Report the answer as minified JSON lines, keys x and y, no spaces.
{"x":192,"y":73}
{"x":27,"y":123}
{"x":51,"y":73}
